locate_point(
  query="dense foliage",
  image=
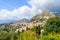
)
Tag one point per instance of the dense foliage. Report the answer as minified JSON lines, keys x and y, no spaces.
{"x":53,"y":25}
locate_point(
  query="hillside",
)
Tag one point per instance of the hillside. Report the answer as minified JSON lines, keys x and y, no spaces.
{"x":39,"y":19}
{"x":33,"y":30}
{"x":43,"y":16}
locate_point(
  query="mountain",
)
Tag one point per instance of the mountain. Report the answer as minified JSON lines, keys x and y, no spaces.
{"x":39,"y":19}
{"x":43,"y":16}
{"x":57,"y":14}
{"x":22,"y":20}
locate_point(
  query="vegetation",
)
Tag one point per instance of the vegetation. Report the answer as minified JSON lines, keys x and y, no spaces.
{"x":52,"y":25}
{"x":51,"y":32}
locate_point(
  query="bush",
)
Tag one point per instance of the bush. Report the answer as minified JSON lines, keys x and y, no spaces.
{"x":51,"y":37}
{"x":52,"y":25}
{"x":4,"y":35}
{"x":37,"y":29}
{"x":28,"y":35}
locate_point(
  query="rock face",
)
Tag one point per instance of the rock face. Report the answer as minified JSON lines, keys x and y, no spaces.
{"x":43,"y":16}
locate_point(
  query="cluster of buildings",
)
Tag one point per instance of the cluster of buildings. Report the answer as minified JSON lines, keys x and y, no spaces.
{"x":24,"y":26}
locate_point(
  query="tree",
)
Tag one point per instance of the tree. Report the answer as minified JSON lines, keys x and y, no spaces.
{"x":52,"y":25}
{"x":37,"y":29}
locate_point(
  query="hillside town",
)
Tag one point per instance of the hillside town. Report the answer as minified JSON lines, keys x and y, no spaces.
{"x":29,"y":25}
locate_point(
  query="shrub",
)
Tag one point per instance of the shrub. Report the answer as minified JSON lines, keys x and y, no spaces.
{"x":52,"y":25}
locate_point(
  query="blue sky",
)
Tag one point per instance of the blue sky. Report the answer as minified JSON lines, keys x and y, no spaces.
{"x":11,"y":4}
{"x":14,"y":10}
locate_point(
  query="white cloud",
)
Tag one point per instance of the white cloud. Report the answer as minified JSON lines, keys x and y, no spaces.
{"x":19,"y":13}
{"x":50,"y":5}
{"x":4,"y":14}
{"x":16,"y":14}
{"x":27,"y":12}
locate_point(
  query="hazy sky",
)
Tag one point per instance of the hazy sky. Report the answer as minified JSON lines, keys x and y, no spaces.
{"x":18,"y":9}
